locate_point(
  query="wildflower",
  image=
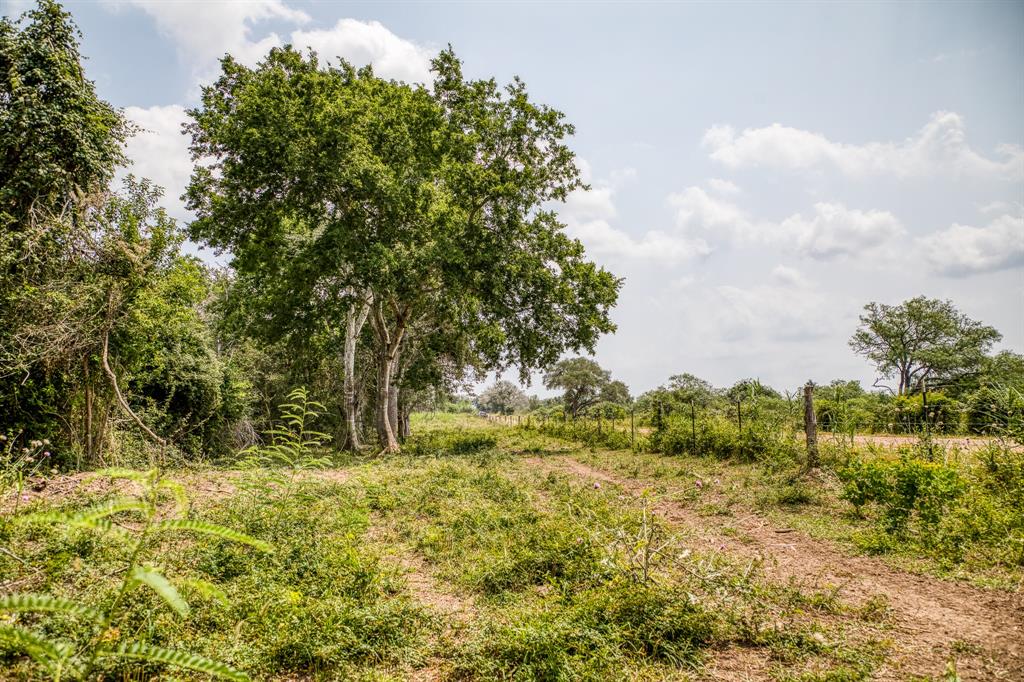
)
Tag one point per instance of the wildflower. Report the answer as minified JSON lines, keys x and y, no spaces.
{"x":596,"y":485}
{"x":46,"y":441}
{"x":46,"y":454}
{"x":699,"y":483}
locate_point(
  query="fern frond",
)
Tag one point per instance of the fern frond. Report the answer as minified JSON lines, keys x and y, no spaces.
{"x":177,"y":490}
{"x":206,"y":528}
{"x":159,"y":584}
{"x":205,"y":589}
{"x":45,"y":652}
{"x":23,"y":601}
{"x":180,"y":659}
{"x":95,"y":517}
{"x":115,"y":473}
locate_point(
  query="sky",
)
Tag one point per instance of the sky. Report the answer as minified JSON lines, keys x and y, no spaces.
{"x":758,"y":171}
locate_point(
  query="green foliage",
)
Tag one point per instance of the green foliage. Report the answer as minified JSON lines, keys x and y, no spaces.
{"x":294,"y":445}
{"x":590,"y":636}
{"x":403,"y":196}
{"x":179,"y":659}
{"x":716,"y":436}
{"x":446,"y":443}
{"x":503,"y":397}
{"x":589,"y":431}
{"x":921,"y":339}
{"x":582,"y":379}
{"x":87,"y":648}
{"x":906,"y":490}
{"x":953,"y":514}
{"x":58,"y":140}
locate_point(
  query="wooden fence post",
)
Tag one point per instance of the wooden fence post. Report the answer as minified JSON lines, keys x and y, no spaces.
{"x":810,"y":426}
{"x":632,"y":428}
{"x":693,"y":426}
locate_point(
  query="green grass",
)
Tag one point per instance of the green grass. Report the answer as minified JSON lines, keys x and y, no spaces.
{"x":981,"y":534}
{"x":556,"y":580}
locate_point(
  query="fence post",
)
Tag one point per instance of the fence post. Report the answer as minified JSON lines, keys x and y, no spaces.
{"x":693,"y":426}
{"x":632,"y":428}
{"x":810,"y":426}
{"x":739,"y":416}
{"x":924,"y":414}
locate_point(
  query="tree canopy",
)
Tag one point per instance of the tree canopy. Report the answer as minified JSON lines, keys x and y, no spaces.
{"x":921,"y":339}
{"x":503,"y":397}
{"x":582,"y":380}
{"x":337,"y":191}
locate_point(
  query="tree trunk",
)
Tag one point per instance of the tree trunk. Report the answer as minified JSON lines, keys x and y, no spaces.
{"x":387,"y":364}
{"x":385,"y":434}
{"x":354,"y":322}
{"x":393,"y":416}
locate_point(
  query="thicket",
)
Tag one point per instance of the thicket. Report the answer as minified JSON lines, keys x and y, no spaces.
{"x":956,"y":512}
{"x":362,"y":241}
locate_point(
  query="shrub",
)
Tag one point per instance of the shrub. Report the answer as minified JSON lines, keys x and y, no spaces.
{"x":905,"y":490}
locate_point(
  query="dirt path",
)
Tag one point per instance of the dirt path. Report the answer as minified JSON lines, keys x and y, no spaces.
{"x":932,"y":618}
{"x":454,"y":612}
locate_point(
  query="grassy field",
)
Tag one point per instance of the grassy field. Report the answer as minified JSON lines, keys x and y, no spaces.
{"x":485,"y":552}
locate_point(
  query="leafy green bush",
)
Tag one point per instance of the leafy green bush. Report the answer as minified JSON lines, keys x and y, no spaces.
{"x":973,"y":513}
{"x":721,"y":438}
{"x":906,"y":490}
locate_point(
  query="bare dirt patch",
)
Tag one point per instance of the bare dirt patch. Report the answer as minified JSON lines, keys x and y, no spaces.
{"x":933,"y":620}
{"x":454,"y":612}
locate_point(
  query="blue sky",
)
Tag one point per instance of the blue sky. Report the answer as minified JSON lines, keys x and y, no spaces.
{"x":759,"y":170}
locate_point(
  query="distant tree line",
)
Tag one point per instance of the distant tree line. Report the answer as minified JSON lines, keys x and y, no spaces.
{"x":945,"y":380}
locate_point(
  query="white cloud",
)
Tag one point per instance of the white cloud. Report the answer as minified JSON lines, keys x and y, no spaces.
{"x":789,"y":277}
{"x":370,"y":42}
{"x":622,"y":176}
{"x":782,"y":311}
{"x":227,"y":27}
{"x":698,"y":210}
{"x":962,"y":250}
{"x":160,"y":152}
{"x":584,"y":205}
{"x":723,"y":187}
{"x":224,"y":27}
{"x":831,"y":231}
{"x":998,"y":207}
{"x":608,"y":243}
{"x":939,"y":148}
{"x":835,"y":230}
{"x":587,"y":215}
